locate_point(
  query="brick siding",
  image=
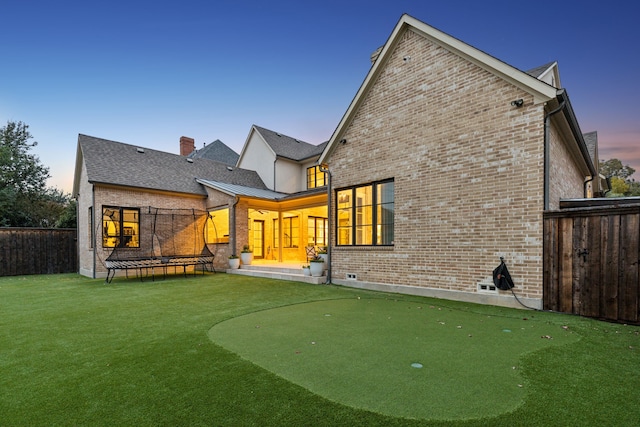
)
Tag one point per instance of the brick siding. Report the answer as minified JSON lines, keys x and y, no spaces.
{"x":468,"y":171}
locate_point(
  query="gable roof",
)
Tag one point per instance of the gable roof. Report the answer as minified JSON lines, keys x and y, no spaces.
{"x":540,"y":90}
{"x":117,"y":163}
{"x":217,"y":150}
{"x":287,"y":147}
{"x":547,"y":73}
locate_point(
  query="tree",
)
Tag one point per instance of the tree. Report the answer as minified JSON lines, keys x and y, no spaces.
{"x":25,"y":200}
{"x":622,"y":185}
{"x":614,"y":167}
{"x":619,"y":187}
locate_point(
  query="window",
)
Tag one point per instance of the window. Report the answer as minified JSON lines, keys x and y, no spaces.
{"x":120,"y":227}
{"x":290,"y":232}
{"x":217,"y":226}
{"x":365,"y":214}
{"x":317,"y":229}
{"x":315,"y":177}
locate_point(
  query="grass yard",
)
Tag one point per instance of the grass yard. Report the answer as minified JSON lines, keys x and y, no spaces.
{"x":233,"y":350}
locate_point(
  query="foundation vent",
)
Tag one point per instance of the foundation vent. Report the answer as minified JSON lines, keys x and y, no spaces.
{"x":487,"y":288}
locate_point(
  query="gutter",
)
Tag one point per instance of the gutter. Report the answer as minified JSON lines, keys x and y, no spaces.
{"x":325,"y":168}
{"x":547,"y":154}
{"x":565,"y":107}
{"x":232,"y":232}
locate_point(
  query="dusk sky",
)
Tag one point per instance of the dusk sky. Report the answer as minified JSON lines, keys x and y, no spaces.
{"x":148,"y":72}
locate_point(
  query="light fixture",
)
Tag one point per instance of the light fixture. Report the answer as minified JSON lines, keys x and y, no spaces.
{"x":517,"y":103}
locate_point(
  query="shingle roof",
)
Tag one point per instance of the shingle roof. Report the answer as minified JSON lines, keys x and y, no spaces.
{"x":591,"y":141}
{"x":288,"y":147}
{"x":217,"y":150}
{"x":111,"y":162}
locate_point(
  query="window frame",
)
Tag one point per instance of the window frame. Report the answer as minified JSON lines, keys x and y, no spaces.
{"x":313,"y":173}
{"x":357,"y":211}
{"x":122,"y":230}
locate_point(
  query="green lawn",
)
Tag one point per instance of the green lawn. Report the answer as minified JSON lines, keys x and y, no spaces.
{"x":232,"y":350}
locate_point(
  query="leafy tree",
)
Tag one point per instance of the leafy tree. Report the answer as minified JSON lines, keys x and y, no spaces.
{"x":619,"y":187}
{"x":25,"y":200}
{"x":614,"y":167}
{"x":622,"y":185}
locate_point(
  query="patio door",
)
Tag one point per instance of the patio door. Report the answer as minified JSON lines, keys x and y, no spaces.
{"x":258,"y":239}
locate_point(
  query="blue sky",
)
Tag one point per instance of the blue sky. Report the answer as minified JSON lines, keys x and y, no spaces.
{"x":148,"y":72}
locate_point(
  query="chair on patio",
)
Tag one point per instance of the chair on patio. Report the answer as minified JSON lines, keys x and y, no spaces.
{"x":311,"y":252}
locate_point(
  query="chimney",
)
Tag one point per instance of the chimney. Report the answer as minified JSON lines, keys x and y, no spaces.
{"x":187,"y":145}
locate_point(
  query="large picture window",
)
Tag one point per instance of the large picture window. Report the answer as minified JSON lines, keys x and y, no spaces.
{"x":365,"y":214}
{"x":217,"y":226}
{"x":120,"y":227}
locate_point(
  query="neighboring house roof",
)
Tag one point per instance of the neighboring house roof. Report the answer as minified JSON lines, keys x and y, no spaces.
{"x":591,"y":141}
{"x":539,"y":89}
{"x":116,"y":163}
{"x":288,"y":147}
{"x":217,"y":150}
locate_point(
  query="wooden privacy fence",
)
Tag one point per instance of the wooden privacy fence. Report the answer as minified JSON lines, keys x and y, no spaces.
{"x":591,"y":257}
{"x":37,"y":251}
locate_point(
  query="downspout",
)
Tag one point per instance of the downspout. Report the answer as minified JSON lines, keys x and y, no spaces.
{"x":232,"y":232}
{"x":274,"y":173}
{"x":547,"y":119}
{"x":584,"y":190}
{"x":325,"y":168}
{"x":93,"y":225}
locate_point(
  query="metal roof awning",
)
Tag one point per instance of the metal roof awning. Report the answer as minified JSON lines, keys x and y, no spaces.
{"x":241,"y":190}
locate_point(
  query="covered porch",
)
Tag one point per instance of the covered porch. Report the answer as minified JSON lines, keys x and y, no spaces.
{"x":277,"y":227}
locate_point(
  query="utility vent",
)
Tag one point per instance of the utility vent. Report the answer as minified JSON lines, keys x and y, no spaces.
{"x":487,"y":288}
{"x":140,"y":150}
{"x":189,"y":159}
{"x":352,"y":276}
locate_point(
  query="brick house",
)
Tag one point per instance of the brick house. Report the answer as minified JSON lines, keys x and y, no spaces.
{"x":445,"y":161}
{"x":112,"y":177}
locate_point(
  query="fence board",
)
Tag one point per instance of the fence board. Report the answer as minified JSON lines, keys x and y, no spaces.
{"x":37,"y":251}
{"x":629,"y":271}
{"x":605,"y":283}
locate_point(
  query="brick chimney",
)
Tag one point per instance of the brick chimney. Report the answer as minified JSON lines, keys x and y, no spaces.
{"x":187,"y":145}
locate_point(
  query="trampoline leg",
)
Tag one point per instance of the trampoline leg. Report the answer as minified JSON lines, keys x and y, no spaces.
{"x":107,"y":279}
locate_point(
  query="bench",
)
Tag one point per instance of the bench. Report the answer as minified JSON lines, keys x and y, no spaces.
{"x":144,"y":264}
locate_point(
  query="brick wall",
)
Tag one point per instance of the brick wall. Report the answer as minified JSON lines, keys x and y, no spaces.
{"x":565,"y":179}
{"x":468,"y":171}
{"x":112,"y":196}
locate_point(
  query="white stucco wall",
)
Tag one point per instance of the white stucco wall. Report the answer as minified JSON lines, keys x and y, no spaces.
{"x":259,"y":157}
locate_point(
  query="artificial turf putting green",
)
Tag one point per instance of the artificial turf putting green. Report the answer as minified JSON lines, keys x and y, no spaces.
{"x":396,"y":358}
